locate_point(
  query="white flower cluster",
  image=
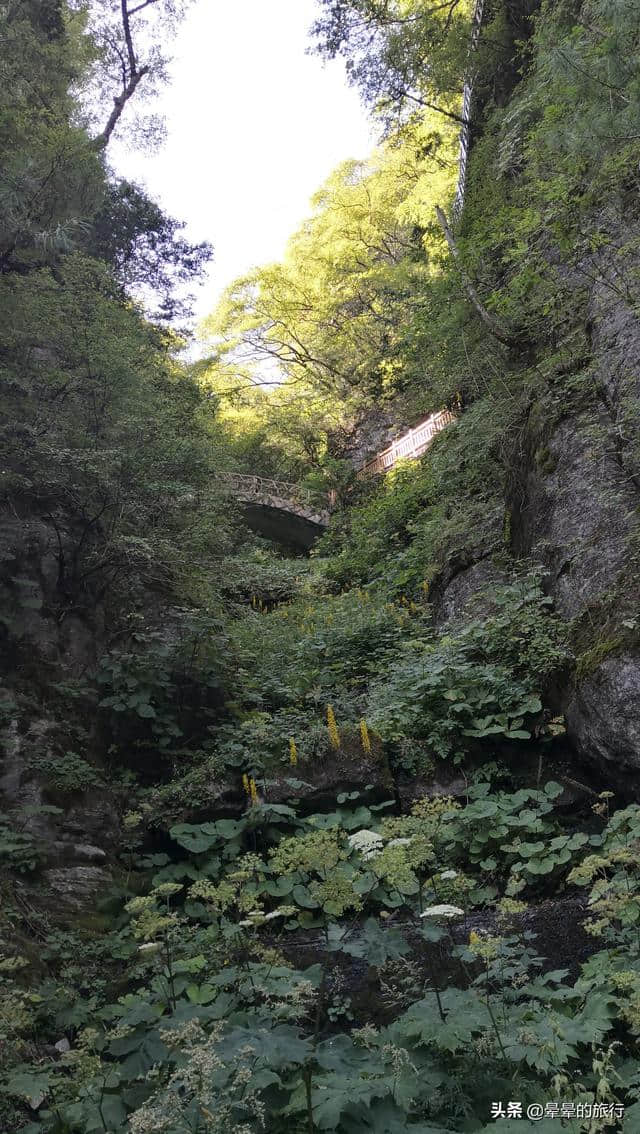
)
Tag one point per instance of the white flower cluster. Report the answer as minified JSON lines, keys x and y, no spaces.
{"x":196,"y":1086}
{"x":367,"y":843}
{"x":257,"y":917}
{"x":443,"y":911}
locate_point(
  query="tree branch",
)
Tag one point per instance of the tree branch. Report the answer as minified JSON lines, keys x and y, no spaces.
{"x":119,"y":103}
{"x":130,"y":81}
{"x":494,"y":326}
{"x":146,"y":4}
{"x":126,"y":27}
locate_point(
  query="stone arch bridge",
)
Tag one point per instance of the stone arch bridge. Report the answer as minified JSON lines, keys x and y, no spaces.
{"x":293,"y":516}
{"x":279,"y":510}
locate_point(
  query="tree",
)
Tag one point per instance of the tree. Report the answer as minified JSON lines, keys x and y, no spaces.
{"x":50,"y":179}
{"x":131,"y":38}
{"x":146,"y":249}
{"x":404,"y":56}
{"x":327,"y":322}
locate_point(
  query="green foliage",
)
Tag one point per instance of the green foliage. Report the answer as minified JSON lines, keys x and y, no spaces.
{"x":236,"y":1033}
{"x":18,"y":849}
{"x":329,"y":319}
{"x":180,"y":997}
{"x":401,"y":56}
{"x":145,"y":247}
{"x":429,"y":514}
{"x":482,"y":679}
{"x":67,"y":772}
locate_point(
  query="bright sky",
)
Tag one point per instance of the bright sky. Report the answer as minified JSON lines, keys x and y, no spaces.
{"x":254,"y":127}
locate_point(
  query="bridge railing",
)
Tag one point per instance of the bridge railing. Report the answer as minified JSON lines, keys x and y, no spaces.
{"x":259,"y":487}
{"x":410,"y":445}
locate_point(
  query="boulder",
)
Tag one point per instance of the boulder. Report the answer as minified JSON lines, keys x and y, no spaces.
{"x":75,"y":887}
{"x":603,"y":714}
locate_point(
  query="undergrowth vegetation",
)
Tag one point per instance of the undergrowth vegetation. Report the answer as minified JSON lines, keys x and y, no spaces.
{"x":354,"y":882}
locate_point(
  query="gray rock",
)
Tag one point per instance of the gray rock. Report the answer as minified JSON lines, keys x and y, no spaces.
{"x":78,"y":852}
{"x":444,"y":783}
{"x":473,"y":583}
{"x":603,"y":715}
{"x":88,"y":853}
{"x":76,"y":886}
{"x":578,"y":511}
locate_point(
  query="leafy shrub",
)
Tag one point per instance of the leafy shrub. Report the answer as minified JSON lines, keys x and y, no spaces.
{"x":68,"y":772}
{"x":18,"y":850}
{"x":482,"y":680}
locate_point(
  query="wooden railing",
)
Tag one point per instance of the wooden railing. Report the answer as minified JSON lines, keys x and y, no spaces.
{"x":410,"y":445}
{"x":467,"y":100}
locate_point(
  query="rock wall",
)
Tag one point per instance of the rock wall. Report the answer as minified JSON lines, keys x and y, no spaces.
{"x":574,"y":509}
{"x":46,"y":642}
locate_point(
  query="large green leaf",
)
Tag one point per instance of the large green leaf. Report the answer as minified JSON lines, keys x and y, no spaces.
{"x":201,"y":837}
{"x":331,"y":1097}
{"x":377,"y":944}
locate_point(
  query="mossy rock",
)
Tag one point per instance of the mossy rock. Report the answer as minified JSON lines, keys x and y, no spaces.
{"x":318,"y":781}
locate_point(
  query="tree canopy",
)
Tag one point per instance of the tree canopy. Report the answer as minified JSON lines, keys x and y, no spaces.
{"x":328,"y":322}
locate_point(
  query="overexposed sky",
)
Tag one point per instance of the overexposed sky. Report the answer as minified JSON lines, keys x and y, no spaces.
{"x":255,"y":125}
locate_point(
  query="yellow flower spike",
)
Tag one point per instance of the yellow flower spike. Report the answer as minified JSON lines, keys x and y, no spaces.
{"x":293,"y":752}
{"x":364,"y":736}
{"x":253,"y":791}
{"x":245,"y":783}
{"x":474,"y":938}
{"x":334,"y":735}
{"x":425,"y":586}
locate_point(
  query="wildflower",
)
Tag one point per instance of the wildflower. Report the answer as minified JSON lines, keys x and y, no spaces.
{"x":166,"y":889}
{"x":443,"y":911}
{"x":446,"y":874}
{"x":487,"y":948}
{"x":245,"y":783}
{"x":425,"y":586}
{"x":509,"y":907}
{"x":293,"y":752}
{"x":367,"y":843}
{"x":149,"y":947}
{"x":253,"y":791}
{"x":364,"y":736}
{"x":399,"y":843}
{"x":334,"y":735}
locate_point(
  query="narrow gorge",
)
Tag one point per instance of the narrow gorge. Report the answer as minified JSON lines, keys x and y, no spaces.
{"x":320,"y":621}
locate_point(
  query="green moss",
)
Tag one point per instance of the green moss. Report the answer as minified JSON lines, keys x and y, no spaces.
{"x":90,"y":924}
{"x":607,"y":627}
{"x":506,"y":528}
{"x":545,"y":460}
{"x":588,"y":662}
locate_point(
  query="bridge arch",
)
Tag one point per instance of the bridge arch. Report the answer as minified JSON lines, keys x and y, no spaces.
{"x":279,"y":510}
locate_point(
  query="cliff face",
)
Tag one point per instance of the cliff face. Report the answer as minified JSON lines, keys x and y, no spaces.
{"x":572,"y":478}
{"x":579,"y":516}
{"x":58,"y":799}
